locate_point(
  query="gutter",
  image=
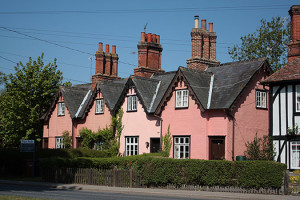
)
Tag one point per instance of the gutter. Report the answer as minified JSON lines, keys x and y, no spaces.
{"x":82,"y":103}
{"x":210,"y":91}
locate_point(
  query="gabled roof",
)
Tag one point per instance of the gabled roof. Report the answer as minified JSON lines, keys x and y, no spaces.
{"x":289,"y":73}
{"x":111,"y":91}
{"x":217,"y":87}
{"x":230,"y":80}
{"x":149,"y":90}
{"x":73,"y":98}
{"x":199,"y":82}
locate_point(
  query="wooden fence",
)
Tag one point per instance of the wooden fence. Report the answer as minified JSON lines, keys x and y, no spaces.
{"x":108,"y":177}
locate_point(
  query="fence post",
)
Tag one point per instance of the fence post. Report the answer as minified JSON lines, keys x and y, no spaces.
{"x":131,"y":177}
{"x":286,"y":182}
{"x":115,"y":176}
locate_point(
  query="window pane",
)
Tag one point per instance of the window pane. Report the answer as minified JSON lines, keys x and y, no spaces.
{"x":178,"y":98}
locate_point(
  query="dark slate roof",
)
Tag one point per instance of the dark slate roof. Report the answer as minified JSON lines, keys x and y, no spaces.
{"x":165,"y":80}
{"x":73,"y":98}
{"x":150,"y":91}
{"x":199,"y":82}
{"x":290,"y":72}
{"x":229,"y":81}
{"x":146,"y":90}
{"x":111,"y":91}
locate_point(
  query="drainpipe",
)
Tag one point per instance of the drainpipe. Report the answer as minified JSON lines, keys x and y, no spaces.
{"x":161,"y":121}
{"x":233,"y":127}
{"x":73,"y":134}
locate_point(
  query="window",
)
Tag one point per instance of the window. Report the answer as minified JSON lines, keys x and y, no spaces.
{"x":59,"y":143}
{"x":295,"y":155}
{"x":181,"y":147}
{"x":132,"y":146}
{"x":297,"y":98}
{"x":131,"y":103}
{"x":182,"y":98}
{"x":61,"y":109}
{"x":261,"y":99}
{"x":100,"y":106}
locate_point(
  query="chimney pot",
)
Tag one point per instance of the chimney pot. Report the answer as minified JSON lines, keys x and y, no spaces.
{"x":149,"y":38}
{"x":100,"y":46}
{"x":210,"y":27}
{"x":203,"y":24}
{"x":196,"y":17}
{"x":157,"y":39}
{"x":154,"y":38}
{"x":107,"y":48}
{"x":114,"y":49}
{"x":143,"y":36}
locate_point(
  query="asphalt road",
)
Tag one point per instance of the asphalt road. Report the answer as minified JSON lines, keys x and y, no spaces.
{"x":51,"y":193}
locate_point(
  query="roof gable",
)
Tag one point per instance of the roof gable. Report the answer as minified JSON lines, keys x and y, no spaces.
{"x":230,"y":80}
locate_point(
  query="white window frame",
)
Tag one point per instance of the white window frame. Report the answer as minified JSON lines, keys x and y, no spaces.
{"x":99,"y":106}
{"x":295,"y":155}
{"x":59,"y":143}
{"x":182,"y":147}
{"x":182,"y":99}
{"x":297,"y":100}
{"x":132,"y":103}
{"x":131,"y":145}
{"x":261,"y":99}
{"x":61,"y":109}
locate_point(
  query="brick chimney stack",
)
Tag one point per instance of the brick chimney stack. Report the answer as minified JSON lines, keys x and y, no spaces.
{"x":203,"y":46}
{"x":106,"y":64}
{"x":149,"y":56}
{"x":294,"y":45}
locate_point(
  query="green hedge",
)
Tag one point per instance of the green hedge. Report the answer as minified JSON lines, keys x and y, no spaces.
{"x":14,"y":163}
{"x":163,"y":171}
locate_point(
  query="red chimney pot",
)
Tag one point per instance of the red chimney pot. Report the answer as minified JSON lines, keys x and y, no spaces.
{"x":149,"y":38}
{"x":100,"y":47}
{"x":107,"y":48}
{"x":113,"y":49}
{"x":210,"y":27}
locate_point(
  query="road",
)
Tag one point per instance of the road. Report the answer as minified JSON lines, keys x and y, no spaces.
{"x":60,"y":194}
{"x":87,"y":192}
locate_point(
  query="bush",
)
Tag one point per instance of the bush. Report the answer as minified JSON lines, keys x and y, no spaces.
{"x":164,"y":171}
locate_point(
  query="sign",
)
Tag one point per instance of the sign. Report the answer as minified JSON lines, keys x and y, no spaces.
{"x":27,"y":146}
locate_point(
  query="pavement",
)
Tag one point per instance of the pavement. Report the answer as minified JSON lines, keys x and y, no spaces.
{"x":152,"y":191}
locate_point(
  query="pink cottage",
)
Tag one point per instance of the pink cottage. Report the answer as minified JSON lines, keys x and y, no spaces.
{"x":213,"y":109}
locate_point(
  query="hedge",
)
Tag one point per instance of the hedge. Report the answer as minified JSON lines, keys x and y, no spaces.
{"x":164,"y":171}
{"x":13,"y":162}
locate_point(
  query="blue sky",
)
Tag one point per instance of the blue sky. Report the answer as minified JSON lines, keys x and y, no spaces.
{"x":30,"y":27}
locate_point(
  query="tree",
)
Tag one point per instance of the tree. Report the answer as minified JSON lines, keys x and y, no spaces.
{"x":67,"y":139}
{"x":167,"y":143}
{"x":270,"y":40}
{"x":260,"y":149}
{"x":29,"y":93}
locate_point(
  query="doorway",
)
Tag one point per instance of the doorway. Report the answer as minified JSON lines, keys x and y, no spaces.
{"x":217,"y":148}
{"x":154,"y":145}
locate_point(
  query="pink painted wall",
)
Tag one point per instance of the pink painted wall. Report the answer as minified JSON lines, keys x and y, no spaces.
{"x":57,"y":125}
{"x":138,"y":124}
{"x":200,"y":125}
{"x":186,"y":122}
{"x":249,"y":119}
{"x":94,"y":121}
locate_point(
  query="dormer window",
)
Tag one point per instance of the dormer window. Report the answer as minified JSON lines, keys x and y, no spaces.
{"x":131,"y":103}
{"x":61,"y":109}
{"x":182,"y":98}
{"x":297,"y":98}
{"x":99,"y":106}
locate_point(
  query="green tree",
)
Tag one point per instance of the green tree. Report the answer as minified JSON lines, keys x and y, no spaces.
{"x":28,"y":94}
{"x":269,"y":40}
{"x":260,"y":149}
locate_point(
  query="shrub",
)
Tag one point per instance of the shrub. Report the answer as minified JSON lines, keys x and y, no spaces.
{"x":163,"y":171}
